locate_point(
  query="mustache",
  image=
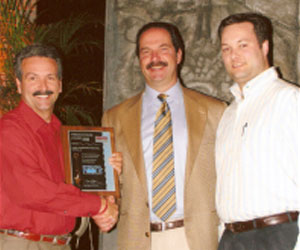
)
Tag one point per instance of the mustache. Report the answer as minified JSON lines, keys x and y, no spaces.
{"x":154,"y":64}
{"x":38,"y":92}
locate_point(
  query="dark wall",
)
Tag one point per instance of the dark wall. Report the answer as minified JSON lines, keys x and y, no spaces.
{"x":82,"y":66}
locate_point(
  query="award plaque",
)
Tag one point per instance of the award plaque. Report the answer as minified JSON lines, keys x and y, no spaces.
{"x":86,"y":154}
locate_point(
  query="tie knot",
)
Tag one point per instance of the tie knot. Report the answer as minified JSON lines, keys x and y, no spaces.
{"x":162,"y":97}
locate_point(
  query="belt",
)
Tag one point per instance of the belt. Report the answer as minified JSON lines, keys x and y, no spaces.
{"x":243,"y":226}
{"x":54,"y":239}
{"x":158,"y":227}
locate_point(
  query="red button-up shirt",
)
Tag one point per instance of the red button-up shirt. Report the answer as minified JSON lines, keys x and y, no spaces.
{"x":33,"y":195}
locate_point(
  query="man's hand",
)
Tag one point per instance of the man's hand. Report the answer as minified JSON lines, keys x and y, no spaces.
{"x":108,"y":214}
{"x":116,"y":160}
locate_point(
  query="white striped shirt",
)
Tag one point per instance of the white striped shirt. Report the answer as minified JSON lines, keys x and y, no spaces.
{"x":257,"y":150}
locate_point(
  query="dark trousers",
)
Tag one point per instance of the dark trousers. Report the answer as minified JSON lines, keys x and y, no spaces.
{"x":278,"y":237}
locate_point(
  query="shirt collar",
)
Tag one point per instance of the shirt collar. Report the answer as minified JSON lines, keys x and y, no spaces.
{"x":35,"y":121}
{"x":174,"y":93}
{"x":255,"y":86}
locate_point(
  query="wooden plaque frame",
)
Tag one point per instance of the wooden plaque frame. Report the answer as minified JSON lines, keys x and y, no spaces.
{"x":86,"y":152}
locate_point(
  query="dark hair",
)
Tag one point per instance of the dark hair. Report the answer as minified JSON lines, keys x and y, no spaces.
{"x":37,"y":50}
{"x":262,"y":25}
{"x":176,"y":38}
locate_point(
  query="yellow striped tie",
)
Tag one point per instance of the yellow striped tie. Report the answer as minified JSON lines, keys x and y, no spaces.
{"x":163,"y":173}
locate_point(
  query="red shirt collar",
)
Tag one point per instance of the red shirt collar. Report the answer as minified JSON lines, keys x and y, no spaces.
{"x":35,"y":121}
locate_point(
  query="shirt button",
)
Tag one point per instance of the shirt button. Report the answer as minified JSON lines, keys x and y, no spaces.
{"x":147,"y":234}
{"x":65,"y":212}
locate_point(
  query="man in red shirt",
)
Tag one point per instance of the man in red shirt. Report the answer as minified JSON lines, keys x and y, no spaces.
{"x":37,"y":209}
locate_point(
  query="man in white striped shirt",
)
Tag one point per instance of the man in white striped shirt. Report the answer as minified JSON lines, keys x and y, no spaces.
{"x":257,"y":147}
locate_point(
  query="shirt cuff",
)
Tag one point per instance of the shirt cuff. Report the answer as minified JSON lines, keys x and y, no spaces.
{"x":92,"y":204}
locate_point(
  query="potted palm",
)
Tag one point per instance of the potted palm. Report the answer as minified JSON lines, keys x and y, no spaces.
{"x":18,"y":29}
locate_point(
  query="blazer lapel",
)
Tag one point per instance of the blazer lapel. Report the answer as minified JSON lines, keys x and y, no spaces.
{"x":196,"y":121}
{"x":131,"y":127}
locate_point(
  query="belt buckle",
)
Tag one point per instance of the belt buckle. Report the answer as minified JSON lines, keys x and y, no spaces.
{"x":239,"y":227}
{"x":163,"y":226}
{"x":13,"y":232}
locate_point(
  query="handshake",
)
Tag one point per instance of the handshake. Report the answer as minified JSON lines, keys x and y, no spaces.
{"x":108,"y":214}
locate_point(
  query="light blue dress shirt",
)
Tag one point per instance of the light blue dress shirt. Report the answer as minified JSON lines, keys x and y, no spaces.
{"x":151,"y":105}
